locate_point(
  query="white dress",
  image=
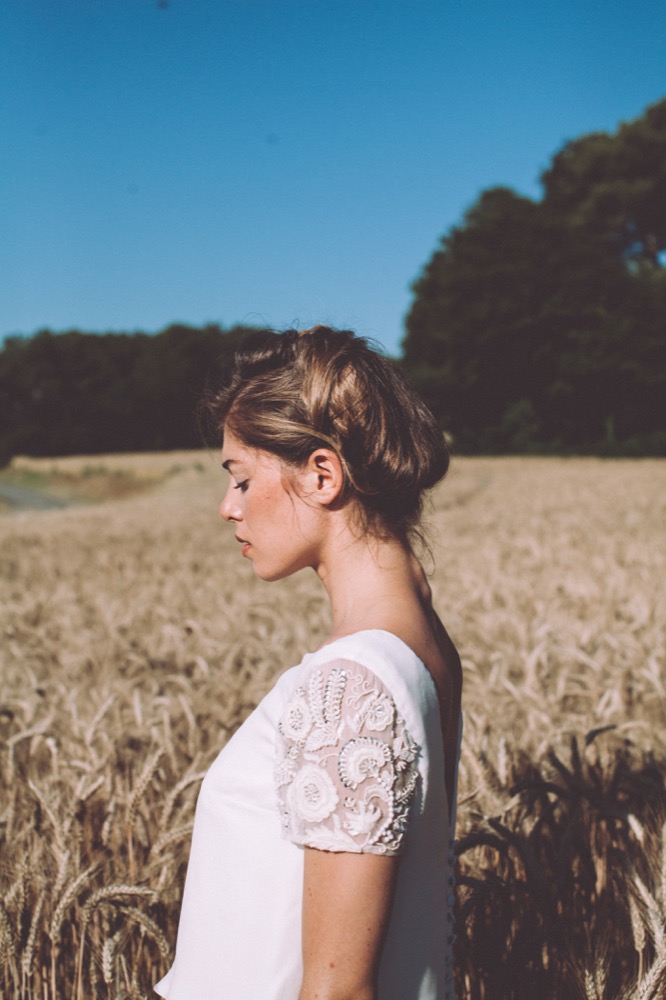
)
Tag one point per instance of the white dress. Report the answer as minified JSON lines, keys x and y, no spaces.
{"x":345,"y":753}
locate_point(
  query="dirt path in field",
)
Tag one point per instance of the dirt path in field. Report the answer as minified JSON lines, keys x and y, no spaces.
{"x":19,"y":498}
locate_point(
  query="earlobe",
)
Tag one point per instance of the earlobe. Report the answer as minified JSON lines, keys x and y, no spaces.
{"x":326,"y":468}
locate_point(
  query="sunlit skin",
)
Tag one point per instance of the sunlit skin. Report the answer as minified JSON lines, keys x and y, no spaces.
{"x":278,"y":530}
{"x":287,"y":520}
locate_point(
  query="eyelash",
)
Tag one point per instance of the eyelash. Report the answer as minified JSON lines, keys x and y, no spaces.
{"x":242,"y":486}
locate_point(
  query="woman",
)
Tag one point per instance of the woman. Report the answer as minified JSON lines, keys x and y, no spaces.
{"x":321,"y":863}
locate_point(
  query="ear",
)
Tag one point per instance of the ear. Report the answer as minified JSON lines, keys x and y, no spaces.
{"x":325,"y":478}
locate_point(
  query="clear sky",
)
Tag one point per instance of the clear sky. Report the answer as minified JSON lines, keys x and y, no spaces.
{"x":282,"y":161}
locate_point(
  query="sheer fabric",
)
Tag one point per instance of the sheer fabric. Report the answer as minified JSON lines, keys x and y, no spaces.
{"x":346,"y":768}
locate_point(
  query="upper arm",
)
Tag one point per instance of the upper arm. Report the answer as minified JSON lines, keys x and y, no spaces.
{"x":346,"y":908}
{"x":346,"y":776}
{"x":346,"y":766}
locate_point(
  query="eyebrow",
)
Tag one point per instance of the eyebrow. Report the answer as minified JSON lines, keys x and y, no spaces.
{"x":229,"y":461}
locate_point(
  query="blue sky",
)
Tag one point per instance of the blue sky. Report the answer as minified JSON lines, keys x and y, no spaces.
{"x":282,"y":161}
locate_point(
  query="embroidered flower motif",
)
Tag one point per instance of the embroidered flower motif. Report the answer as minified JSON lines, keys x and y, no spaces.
{"x":326,"y":704}
{"x":363,"y":819}
{"x":362,"y":758}
{"x":380,"y":713}
{"x":332,"y":838}
{"x":346,"y":771}
{"x":312,"y":794}
{"x":285,"y":768}
{"x":405,"y":751}
{"x":296,"y":720}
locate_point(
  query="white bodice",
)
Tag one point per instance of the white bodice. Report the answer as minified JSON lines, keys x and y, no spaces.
{"x":344,"y":753}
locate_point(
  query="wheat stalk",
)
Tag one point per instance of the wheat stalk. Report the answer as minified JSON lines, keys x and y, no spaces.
{"x":112,"y":892}
{"x":122,"y":631}
{"x":67,"y":899}
{"x":173,"y":795}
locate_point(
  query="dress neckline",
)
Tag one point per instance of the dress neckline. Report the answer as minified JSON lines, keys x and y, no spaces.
{"x":417,"y":659}
{"x":379,"y":631}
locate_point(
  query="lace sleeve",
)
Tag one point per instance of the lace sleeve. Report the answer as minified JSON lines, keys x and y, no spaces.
{"x":346,"y":768}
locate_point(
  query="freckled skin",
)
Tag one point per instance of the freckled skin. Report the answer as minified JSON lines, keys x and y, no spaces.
{"x":281,"y":529}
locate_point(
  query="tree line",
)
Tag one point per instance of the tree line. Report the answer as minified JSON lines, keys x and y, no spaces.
{"x":536,"y":326}
{"x":84,"y":393}
{"x":541,"y":325}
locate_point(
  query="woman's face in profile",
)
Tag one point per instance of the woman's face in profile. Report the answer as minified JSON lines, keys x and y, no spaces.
{"x":273,"y":522}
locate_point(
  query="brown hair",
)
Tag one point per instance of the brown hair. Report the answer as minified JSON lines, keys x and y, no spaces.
{"x":290,"y":393}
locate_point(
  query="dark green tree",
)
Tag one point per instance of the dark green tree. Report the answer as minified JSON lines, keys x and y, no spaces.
{"x":615,"y":186}
{"x":539,"y":325}
{"x":84,"y":393}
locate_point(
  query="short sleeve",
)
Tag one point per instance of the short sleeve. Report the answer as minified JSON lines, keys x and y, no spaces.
{"x":346,"y":767}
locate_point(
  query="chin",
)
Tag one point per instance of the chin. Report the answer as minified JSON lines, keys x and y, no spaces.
{"x":267,"y":574}
{"x":270,"y":574}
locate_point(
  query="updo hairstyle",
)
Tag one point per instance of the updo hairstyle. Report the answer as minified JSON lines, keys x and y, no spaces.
{"x":293,"y":392}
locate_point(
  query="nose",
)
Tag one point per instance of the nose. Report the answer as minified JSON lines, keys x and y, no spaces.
{"x":229,"y":508}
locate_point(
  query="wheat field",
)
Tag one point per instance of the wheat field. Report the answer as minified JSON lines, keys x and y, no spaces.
{"x":135,"y":640}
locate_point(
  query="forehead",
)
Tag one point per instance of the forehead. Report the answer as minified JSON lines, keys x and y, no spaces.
{"x":235,"y":453}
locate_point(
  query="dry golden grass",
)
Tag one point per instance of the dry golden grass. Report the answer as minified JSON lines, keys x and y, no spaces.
{"x":135,"y":640}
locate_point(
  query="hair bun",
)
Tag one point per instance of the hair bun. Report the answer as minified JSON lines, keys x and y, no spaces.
{"x":289,"y":393}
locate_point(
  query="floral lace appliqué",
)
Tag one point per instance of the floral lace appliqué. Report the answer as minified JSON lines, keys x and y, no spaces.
{"x":346,"y":769}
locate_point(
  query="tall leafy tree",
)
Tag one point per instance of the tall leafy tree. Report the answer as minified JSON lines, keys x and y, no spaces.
{"x":538,"y":324}
{"x":615,"y":186}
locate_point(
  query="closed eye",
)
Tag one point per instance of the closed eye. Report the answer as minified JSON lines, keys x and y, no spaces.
{"x":242,"y":486}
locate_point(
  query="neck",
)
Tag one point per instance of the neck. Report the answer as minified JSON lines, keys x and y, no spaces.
{"x":367,"y":580}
